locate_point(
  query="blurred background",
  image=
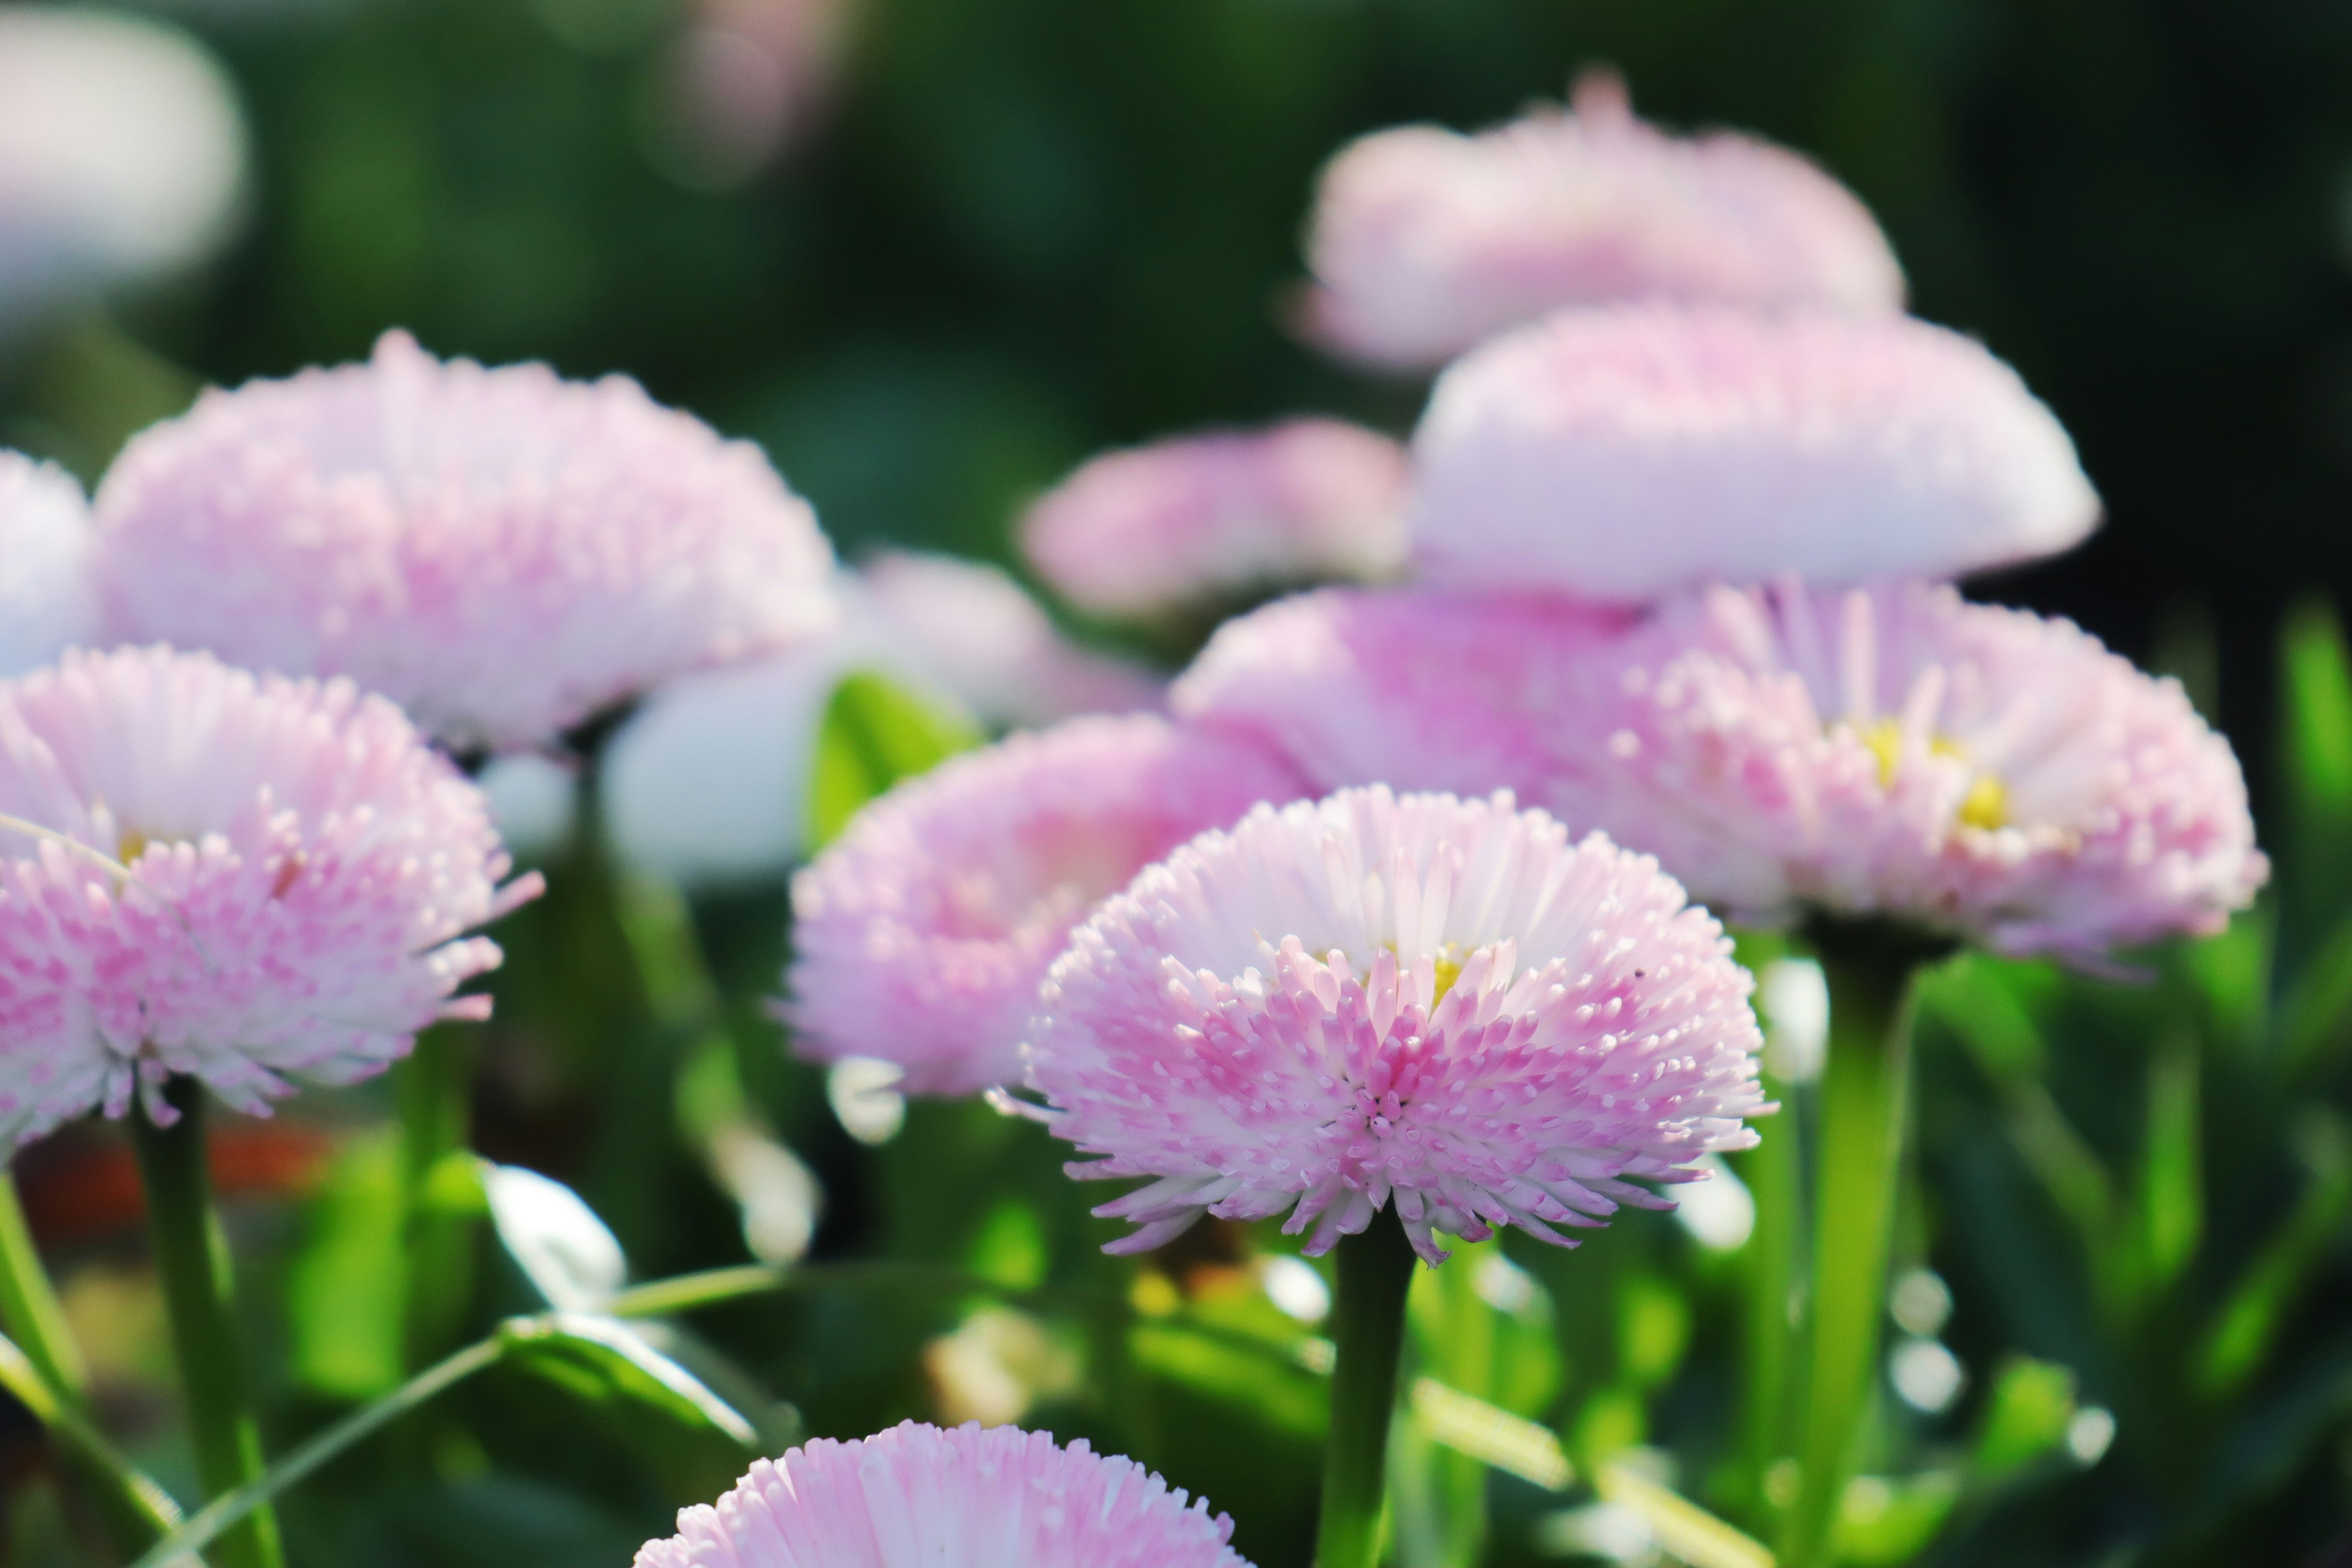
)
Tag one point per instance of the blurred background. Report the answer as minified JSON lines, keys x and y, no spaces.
{"x":933,"y":253}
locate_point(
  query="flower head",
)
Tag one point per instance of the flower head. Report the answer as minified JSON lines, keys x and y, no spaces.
{"x":1629,"y":452}
{"x":1441,"y":1003}
{"x":920,"y":936}
{"x":1417,"y":689}
{"x":45,"y":539}
{"x":122,"y":152}
{"x":1169,"y":526}
{"x":918,"y":1497}
{"x":1424,"y":243}
{"x":242,"y":877}
{"x":501,"y":552}
{"x":1975,"y":771}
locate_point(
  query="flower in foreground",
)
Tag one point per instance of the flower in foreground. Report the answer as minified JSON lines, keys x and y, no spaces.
{"x":504,"y":552}
{"x":1624,"y":454}
{"x":1184,"y":522}
{"x":922,"y":934}
{"x":1424,"y":243}
{"x":1443,"y":1004}
{"x":45,"y":539}
{"x":1418,"y":689}
{"x":920,"y":1497}
{"x":1974,"y":771}
{"x":245,"y":879}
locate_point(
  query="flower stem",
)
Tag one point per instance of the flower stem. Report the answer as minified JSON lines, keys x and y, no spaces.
{"x":1769,"y":1261}
{"x":1864,"y":1084}
{"x":434,"y":1090}
{"x":1367,"y":1327}
{"x":29,"y":1309}
{"x":192,"y":1256}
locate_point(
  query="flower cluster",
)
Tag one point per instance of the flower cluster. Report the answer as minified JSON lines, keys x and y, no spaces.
{"x":245,"y":879}
{"x":503,"y":553}
{"x":918,"y":1497}
{"x":922,"y":935}
{"x":1424,"y":242}
{"x":1629,"y":452}
{"x":1183,"y":522}
{"x":1441,"y":1003}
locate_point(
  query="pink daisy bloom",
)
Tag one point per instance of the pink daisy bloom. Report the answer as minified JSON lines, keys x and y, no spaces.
{"x":1185,"y":521}
{"x":1441,"y":1003}
{"x":1417,"y":689}
{"x":1978,"y":770}
{"x":45,"y":548}
{"x":503,"y":553}
{"x":245,"y":879}
{"x":1425,"y":243}
{"x":922,"y":934}
{"x":1628,"y":453}
{"x":918,"y":1497}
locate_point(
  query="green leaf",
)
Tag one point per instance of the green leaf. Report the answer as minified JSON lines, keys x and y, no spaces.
{"x":2172,"y":1194}
{"x":2315,"y":738}
{"x":1888,"y":1519}
{"x":2249,"y":1321}
{"x":606,"y":1363}
{"x":874,"y":733}
{"x":347,"y":1284}
{"x":2025,"y":1417}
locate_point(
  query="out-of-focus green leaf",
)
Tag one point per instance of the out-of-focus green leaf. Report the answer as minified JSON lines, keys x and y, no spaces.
{"x":2172,"y":1195}
{"x":2249,"y":1321}
{"x":2315,"y":741}
{"x":346,"y":1287}
{"x":874,"y":733}
{"x":1677,"y":1524}
{"x":2025,"y":1417}
{"x":1886,"y":1520}
{"x":2232,"y":972}
{"x":2315,"y":1022}
{"x":1292,"y":1402}
{"x":1654,"y":1329}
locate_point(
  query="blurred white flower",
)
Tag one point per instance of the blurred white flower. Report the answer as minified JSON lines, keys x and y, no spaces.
{"x":1927,"y":1376}
{"x":709,"y":782}
{"x":1293,"y":1285}
{"x":567,"y":1253}
{"x":864,"y":1094}
{"x":122,"y":152}
{"x":1720,"y":1212}
{"x":2089,"y":1433}
{"x":1793,"y":994}
{"x":740,"y":83}
{"x":46,"y":604}
{"x":530,"y":801}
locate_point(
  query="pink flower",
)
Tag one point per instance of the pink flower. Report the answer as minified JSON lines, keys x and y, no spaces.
{"x":503,"y":553}
{"x":45,"y":548}
{"x":1976,"y":771}
{"x":1425,"y":243}
{"x":920,"y":936}
{"x":1441,"y":1002}
{"x":245,"y":879}
{"x":970,"y":627}
{"x":1183,"y":522}
{"x":1416,"y":689}
{"x":918,"y":1497}
{"x":1629,"y":452}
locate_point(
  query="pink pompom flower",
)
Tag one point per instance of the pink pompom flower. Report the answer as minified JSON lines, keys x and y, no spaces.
{"x":1439,"y":1002}
{"x":920,"y":936}
{"x":920,"y":1497}
{"x":502,"y":551}
{"x":1414,"y":688}
{"x":245,"y":879}
{"x":1629,"y":452}
{"x":1978,"y":771}
{"x":1425,"y":243}
{"x":45,"y":549}
{"x":1181,"y":523}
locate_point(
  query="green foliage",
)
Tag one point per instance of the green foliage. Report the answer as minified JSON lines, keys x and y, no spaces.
{"x":874,"y":733}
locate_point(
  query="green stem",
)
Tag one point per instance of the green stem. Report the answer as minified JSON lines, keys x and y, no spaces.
{"x":192,"y":1256}
{"x":434,"y":1087}
{"x":252,"y":1497}
{"x":1367,"y":1327}
{"x":29,"y":1309}
{"x":1770,"y":1260}
{"x":1870,"y":970}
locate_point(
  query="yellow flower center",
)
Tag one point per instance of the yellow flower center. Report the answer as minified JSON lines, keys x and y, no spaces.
{"x":133,"y":845}
{"x":1448,"y":972}
{"x":1986,"y":804}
